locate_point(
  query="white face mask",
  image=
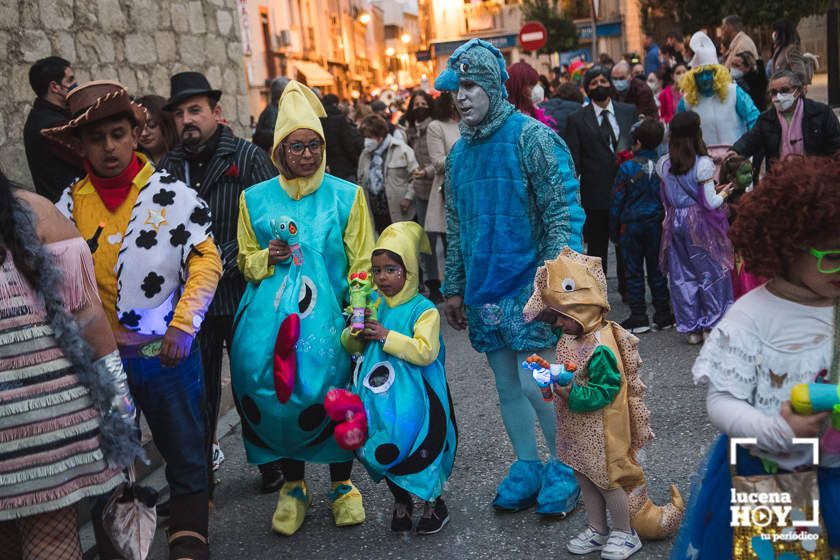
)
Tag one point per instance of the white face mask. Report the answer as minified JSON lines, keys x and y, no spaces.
{"x":653,"y":85}
{"x":537,"y":94}
{"x":370,"y":144}
{"x":736,"y":73}
{"x":784,"y":101}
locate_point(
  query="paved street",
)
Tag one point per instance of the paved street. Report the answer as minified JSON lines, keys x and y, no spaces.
{"x":240,"y":526}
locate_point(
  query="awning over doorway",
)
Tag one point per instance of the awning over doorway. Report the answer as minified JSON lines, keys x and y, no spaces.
{"x":315,"y":75}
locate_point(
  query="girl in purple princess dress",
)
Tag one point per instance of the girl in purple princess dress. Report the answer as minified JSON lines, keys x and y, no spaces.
{"x":696,"y":253}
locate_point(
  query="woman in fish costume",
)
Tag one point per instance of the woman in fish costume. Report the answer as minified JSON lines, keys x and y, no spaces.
{"x":300,"y":235}
{"x":401,"y":381}
{"x":602,"y":419}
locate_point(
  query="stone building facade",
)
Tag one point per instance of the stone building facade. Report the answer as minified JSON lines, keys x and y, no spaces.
{"x":141,"y":43}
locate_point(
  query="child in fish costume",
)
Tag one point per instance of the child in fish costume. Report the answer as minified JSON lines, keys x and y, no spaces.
{"x":400,"y":378}
{"x":602,"y":420}
{"x":286,"y":352}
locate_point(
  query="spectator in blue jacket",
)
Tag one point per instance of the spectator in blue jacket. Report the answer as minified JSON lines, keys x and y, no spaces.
{"x":636,"y":215}
{"x":652,"y":63}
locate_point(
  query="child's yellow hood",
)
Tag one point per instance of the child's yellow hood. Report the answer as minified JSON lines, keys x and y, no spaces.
{"x":408,"y":240}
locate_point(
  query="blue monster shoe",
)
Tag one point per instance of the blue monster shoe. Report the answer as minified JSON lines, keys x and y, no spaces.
{"x":560,"y":492}
{"x":520,"y":487}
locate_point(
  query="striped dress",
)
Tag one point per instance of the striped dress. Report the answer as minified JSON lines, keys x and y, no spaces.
{"x":50,"y":454}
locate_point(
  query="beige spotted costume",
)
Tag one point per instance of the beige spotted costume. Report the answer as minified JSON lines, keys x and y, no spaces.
{"x":602,"y":445}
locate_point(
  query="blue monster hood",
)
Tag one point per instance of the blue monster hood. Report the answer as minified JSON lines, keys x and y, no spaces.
{"x":482,"y":63}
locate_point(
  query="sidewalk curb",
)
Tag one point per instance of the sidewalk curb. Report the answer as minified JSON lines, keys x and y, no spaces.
{"x":156,"y":479}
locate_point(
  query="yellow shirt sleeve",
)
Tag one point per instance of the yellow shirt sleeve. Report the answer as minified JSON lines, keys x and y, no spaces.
{"x":358,"y":235}
{"x":422,"y":349}
{"x":252,"y":259}
{"x":352,"y":344}
{"x":204,"y":269}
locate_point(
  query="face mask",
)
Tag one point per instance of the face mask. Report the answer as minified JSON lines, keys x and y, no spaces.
{"x":621,"y":85}
{"x":653,"y":85}
{"x":421,"y":113}
{"x":537,"y":94}
{"x":736,"y":73}
{"x":599,"y":93}
{"x":784,"y":101}
{"x":370,"y":144}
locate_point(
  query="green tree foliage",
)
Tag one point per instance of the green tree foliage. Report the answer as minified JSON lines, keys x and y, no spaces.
{"x":562,"y":32}
{"x":691,"y":15}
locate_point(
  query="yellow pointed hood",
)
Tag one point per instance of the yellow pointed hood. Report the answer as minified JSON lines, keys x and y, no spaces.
{"x":408,"y":240}
{"x":298,"y":108}
{"x":576,"y":287}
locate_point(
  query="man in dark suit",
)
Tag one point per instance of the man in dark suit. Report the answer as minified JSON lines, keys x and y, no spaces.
{"x":218,"y":165}
{"x":595,"y":134}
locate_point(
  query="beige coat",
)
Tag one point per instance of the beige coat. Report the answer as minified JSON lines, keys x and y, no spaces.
{"x":440,"y":137}
{"x":399,"y":164}
{"x":740,"y":43}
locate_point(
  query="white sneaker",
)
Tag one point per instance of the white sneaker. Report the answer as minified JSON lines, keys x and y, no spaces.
{"x":218,"y":456}
{"x":695,"y":338}
{"x":621,"y":545}
{"x":586,"y":542}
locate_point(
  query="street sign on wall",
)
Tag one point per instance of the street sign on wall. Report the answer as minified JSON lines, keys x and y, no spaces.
{"x":533,"y":36}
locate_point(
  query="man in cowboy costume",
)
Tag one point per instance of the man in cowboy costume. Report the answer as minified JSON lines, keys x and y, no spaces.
{"x":156,"y":267}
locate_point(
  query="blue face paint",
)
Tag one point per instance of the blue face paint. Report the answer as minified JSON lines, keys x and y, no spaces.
{"x":705,"y":81}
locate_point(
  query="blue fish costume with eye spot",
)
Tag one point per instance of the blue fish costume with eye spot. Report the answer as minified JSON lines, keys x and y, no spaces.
{"x":412,"y":436}
{"x":286,"y":352}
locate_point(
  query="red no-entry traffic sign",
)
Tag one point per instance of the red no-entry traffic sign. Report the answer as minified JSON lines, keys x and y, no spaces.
{"x":532,"y":36}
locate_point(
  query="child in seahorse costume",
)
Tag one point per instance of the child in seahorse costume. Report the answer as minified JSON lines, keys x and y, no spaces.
{"x":602,"y":420}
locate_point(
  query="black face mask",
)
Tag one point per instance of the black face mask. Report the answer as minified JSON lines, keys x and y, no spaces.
{"x":421,"y":113}
{"x":599,"y":93}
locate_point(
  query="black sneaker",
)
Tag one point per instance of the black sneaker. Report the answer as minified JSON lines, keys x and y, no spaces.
{"x":636,"y":323}
{"x":434,"y":517}
{"x":663,"y":321}
{"x":272,"y":478}
{"x":401,"y":519}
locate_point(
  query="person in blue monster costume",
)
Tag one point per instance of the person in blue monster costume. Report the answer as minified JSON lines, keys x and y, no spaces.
{"x":300,"y":235}
{"x":412,"y":436}
{"x":512,"y":202}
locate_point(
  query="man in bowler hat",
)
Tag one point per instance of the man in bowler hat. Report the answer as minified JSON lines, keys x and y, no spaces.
{"x":219,"y":166}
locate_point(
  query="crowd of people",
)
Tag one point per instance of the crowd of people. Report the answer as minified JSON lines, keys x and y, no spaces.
{"x":316,"y":255}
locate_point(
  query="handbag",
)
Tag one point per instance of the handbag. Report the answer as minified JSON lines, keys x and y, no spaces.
{"x":129,"y":518}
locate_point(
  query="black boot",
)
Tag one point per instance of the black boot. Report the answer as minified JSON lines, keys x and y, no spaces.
{"x":662,"y":316}
{"x":189,"y":527}
{"x":434,"y":291}
{"x":638,"y":321}
{"x":272,"y":477}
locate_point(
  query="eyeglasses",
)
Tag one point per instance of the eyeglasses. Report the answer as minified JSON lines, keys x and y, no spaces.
{"x":783,"y":91}
{"x":297,"y":148}
{"x":828,"y":262}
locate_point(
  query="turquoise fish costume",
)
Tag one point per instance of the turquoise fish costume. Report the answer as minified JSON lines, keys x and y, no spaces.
{"x":412,"y":436}
{"x":335,"y":237}
{"x":512,"y":203}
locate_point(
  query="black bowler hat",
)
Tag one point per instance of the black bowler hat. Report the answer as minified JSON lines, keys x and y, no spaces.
{"x":189,"y":84}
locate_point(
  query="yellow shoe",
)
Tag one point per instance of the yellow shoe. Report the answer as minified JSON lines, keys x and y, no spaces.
{"x":291,"y":508}
{"x":347,"y":504}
